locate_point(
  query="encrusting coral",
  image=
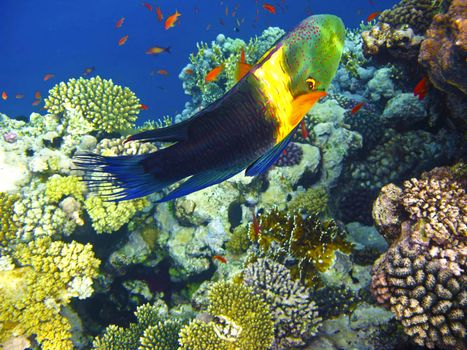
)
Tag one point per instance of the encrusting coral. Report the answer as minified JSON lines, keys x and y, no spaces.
{"x":421,"y":278}
{"x":40,"y":278}
{"x":102,"y":105}
{"x":240,"y":320}
{"x":293,"y":311}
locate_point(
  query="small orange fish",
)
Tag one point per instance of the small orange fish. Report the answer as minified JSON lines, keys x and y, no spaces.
{"x":148,"y":6}
{"x":372,"y":16}
{"x":19,"y":96}
{"x":220,"y":258}
{"x":4,"y":95}
{"x":88,"y":71}
{"x":242,"y":67}
{"x":119,"y":22}
{"x":170,"y":22}
{"x":305,"y":132}
{"x":48,"y":76}
{"x":122,"y":40}
{"x":270,"y":8}
{"x":214,"y":73}
{"x":162,"y":72}
{"x":160,"y":16}
{"x":189,"y":71}
{"x":157,"y":50}
{"x":357,"y":108}
{"x":421,"y":89}
{"x":143,"y":107}
{"x":37,"y":95}
{"x":36,"y":102}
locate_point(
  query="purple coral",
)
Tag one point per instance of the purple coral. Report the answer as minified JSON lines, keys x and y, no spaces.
{"x":10,"y":137}
{"x":292,"y":155}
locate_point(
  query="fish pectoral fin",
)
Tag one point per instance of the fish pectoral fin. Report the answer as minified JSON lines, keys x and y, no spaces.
{"x":264,"y":162}
{"x":199,"y":181}
{"x":173,"y":133}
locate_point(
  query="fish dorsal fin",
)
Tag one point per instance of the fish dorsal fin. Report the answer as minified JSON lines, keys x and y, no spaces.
{"x":199,"y":181}
{"x":242,"y":67}
{"x":263,"y":163}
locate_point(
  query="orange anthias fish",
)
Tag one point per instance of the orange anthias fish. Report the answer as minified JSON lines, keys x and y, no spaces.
{"x":143,"y":107}
{"x":304,"y":130}
{"x":36,"y":102}
{"x":242,"y":67}
{"x":119,"y":22}
{"x":220,"y":258}
{"x":122,"y":40}
{"x":162,"y":72}
{"x":372,"y":16}
{"x":4,"y":95}
{"x":160,"y":16}
{"x":214,"y":73}
{"x":357,"y":107}
{"x":148,"y":6}
{"x":421,"y":89}
{"x":48,"y":76}
{"x":37,"y":95}
{"x":170,"y":22}
{"x":270,"y":8}
{"x":157,"y":50}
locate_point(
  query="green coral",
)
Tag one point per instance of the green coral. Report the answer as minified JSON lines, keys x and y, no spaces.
{"x":162,"y":336}
{"x":241,"y":320}
{"x":8,"y":227}
{"x":309,"y":241}
{"x":313,"y":200}
{"x":58,"y":187}
{"x":41,"y":278}
{"x":351,"y":61}
{"x":100,"y":104}
{"x":238,"y":242}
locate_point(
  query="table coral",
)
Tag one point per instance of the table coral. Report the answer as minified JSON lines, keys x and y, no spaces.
{"x":100,"y":104}
{"x":46,"y":276}
{"x":240,"y":320}
{"x":294,"y":312}
{"x":421,"y":277}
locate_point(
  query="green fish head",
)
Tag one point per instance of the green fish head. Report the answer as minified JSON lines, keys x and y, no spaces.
{"x":312,"y":53}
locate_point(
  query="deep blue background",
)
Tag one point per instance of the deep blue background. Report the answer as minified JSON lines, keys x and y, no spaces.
{"x":64,"y":37}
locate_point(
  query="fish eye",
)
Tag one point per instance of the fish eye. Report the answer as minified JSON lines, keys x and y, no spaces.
{"x":311,"y":83}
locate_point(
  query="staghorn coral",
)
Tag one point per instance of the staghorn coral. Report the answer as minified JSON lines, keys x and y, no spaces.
{"x":240,"y":320}
{"x":293,"y":311}
{"x":307,"y":241}
{"x":42,"y":278}
{"x":8,"y":227}
{"x":421,"y":277}
{"x":99,"y":104}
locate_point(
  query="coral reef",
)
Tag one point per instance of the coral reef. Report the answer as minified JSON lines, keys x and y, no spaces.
{"x":58,"y":186}
{"x":240,"y":320}
{"x":313,"y":200}
{"x":38,"y":282}
{"x":420,"y":278}
{"x":101,"y":104}
{"x":8,"y":226}
{"x":291,"y":156}
{"x":294,"y":313}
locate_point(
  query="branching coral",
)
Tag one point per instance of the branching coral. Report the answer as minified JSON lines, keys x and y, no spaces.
{"x":293,"y":311}
{"x":100,"y":103}
{"x":240,"y":320}
{"x":421,"y":278}
{"x":8,"y":228}
{"x":46,"y":276}
{"x":309,"y":242}
{"x":58,"y":187}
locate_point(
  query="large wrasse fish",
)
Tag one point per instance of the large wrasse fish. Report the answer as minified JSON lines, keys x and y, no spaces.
{"x":248,"y":128}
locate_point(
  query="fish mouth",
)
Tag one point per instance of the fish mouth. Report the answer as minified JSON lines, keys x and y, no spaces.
{"x":302,"y":104}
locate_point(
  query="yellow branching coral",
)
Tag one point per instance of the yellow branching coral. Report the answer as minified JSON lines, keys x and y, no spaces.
{"x":101,"y":104}
{"x":58,"y":187}
{"x":241,"y":320}
{"x":45,"y":277}
{"x":7,"y":225}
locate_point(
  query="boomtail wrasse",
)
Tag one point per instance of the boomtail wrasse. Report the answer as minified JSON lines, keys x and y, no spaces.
{"x":248,"y":128}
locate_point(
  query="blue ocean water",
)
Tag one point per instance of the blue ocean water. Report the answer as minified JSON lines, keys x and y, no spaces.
{"x":66,"y":37}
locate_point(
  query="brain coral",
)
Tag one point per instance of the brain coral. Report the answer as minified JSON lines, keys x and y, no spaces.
{"x":240,"y":320}
{"x":46,"y":276}
{"x":421,"y":278}
{"x":101,"y":104}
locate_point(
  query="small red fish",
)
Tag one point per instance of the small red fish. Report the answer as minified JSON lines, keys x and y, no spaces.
{"x":160,"y":16}
{"x":148,"y":6}
{"x":357,"y":108}
{"x":189,"y":71}
{"x":48,"y":76}
{"x":305,"y":132}
{"x":270,"y":8}
{"x":214,"y":73}
{"x":122,"y":40}
{"x":19,"y":96}
{"x":36,"y":102}
{"x":421,"y":89}
{"x":37,"y":95}
{"x":220,"y":258}
{"x":372,"y":16}
{"x":170,"y":22}
{"x":162,"y":72}
{"x":143,"y":107}
{"x":119,"y":22}
{"x":4,"y":95}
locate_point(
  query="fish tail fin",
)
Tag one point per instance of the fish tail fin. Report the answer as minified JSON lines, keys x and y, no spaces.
{"x":123,"y":177}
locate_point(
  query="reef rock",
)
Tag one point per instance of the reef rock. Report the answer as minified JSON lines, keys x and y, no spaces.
{"x":404,"y":110}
